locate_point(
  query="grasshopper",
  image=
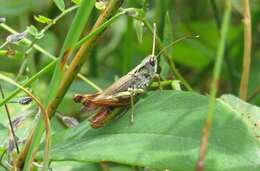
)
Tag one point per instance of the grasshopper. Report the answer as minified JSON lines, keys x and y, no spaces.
{"x":122,"y":91}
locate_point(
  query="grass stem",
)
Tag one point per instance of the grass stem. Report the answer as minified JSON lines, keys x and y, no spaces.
{"x":247,"y":50}
{"x":213,"y":89}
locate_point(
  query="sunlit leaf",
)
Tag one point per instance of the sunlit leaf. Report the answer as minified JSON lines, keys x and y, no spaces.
{"x":42,"y":19}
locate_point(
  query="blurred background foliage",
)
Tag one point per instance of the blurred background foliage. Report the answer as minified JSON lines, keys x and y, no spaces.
{"x":122,"y":46}
{"x":119,"y":49}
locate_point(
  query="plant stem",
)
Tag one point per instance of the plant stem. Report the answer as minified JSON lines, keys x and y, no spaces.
{"x":228,"y":62}
{"x":10,"y":121}
{"x":254,"y":94}
{"x":247,"y":50}
{"x":213,"y":90}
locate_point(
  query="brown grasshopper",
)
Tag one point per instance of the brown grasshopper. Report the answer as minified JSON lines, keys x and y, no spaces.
{"x":122,"y":91}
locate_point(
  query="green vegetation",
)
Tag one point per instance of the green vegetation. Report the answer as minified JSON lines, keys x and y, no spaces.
{"x":203,"y":113}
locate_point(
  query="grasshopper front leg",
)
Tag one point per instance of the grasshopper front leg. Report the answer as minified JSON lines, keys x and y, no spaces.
{"x":130,"y":93}
{"x":157,"y":76}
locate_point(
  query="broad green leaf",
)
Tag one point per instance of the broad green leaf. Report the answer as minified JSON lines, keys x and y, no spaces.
{"x":166,"y":134}
{"x":60,"y":4}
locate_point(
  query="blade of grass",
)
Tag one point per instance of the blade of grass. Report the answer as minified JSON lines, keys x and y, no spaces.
{"x":247,"y":50}
{"x":230,"y":68}
{"x":213,"y":89}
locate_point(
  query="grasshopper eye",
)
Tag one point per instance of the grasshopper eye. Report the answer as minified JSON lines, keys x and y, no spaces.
{"x":152,"y":62}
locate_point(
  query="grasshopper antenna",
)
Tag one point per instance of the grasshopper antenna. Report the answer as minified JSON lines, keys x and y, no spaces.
{"x":176,"y":41}
{"x":154,"y":37}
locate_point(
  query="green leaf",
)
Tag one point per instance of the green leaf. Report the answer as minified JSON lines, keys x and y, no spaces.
{"x":250,"y":111}
{"x":32,"y":30}
{"x":60,"y":4}
{"x":166,"y":134}
{"x":42,"y":19}
{"x":139,"y":29}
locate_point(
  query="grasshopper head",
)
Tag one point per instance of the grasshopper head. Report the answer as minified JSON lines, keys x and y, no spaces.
{"x":149,"y":64}
{"x":144,"y":72}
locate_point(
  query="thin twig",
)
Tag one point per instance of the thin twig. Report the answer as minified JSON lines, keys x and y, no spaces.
{"x":247,"y":50}
{"x":257,"y":91}
{"x":10,"y":122}
{"x":213,"y":91}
